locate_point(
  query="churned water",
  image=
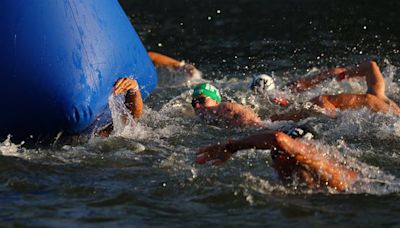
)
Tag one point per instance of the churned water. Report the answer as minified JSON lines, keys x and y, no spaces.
{"x":144,"y":174}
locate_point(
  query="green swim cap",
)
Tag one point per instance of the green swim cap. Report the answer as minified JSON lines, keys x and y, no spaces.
{"x":207,"y":90}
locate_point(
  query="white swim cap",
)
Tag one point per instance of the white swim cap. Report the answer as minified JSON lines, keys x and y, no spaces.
{"x":262,"y":83}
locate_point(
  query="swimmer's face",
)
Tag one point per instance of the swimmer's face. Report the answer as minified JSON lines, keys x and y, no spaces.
{"x":199,"y":102}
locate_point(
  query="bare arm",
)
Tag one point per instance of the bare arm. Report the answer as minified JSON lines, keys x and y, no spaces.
{"x":310,"y":159}
{"x":219,"y":153}
{"x":320,"y":105}
{"x":304,"y":84}
{"x":161,"y":60}
{"x":133,"y":97}
{"x":329,"y":169}
{"x":238,"y":115}
{"x":133,"y":101}
{"x":373,"y":75}
{"x":370,"y":70}
{"x":165,"y":61}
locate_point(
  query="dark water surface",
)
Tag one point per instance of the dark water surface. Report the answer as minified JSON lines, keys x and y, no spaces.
{"x":145,"y":175}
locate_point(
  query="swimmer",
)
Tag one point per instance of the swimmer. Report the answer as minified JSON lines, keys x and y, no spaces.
{"x":374,"y":99}
{"x":190,"y":73}
{"x":292,"y":159}
{"x":206,"y":102}
{"x":133,"y":101}
{"x":262,"y":84}
{"x":130,"y":87}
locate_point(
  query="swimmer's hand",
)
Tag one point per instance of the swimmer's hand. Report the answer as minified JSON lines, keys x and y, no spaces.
{"x":217,"y":154}
{"x":123,"y":85}
{"x":190,"y":71}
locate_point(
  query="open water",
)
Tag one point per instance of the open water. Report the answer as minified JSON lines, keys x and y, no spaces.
{"x":144,"y":174}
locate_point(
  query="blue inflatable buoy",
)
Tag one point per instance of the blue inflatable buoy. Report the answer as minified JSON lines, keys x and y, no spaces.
{"x":59,"y":60}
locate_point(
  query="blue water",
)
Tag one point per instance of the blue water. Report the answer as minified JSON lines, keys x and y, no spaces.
{"x":144,"y":174}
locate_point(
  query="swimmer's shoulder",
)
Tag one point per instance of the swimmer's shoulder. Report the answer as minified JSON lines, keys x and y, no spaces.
{"x":233,"y":106}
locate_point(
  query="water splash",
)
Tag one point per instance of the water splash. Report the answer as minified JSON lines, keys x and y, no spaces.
{"x":169,"y":134}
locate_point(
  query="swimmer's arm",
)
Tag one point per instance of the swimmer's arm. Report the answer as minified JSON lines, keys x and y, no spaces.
{"x":161,"y":60}
{"x":134,"y":103}
{"x":373,"y":76}
{"x":304,"y":84}
{"x":133,"y":97}
{"x":329,"y":169}
{"x":318,"y":105}
{"x":370,"y":70}
{"x":219,"y":153}
{"x":165,"y":61}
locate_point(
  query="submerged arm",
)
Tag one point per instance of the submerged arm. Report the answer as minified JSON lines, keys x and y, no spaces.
{"x":321,"y":105}
{"x":304,"y":84}
{"x":294,"y":115}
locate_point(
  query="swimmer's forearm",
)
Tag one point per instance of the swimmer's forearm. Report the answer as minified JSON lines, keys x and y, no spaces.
{"x":307,"y":83}
{"x":259,"y":141}
{"x":134,"y":103}
{"x":165,"y":61}
{"x":310,"y":82}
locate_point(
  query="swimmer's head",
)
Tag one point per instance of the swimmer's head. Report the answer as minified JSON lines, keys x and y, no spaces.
{"x":206,"y":90}
{"x":303,"y":132}
{"x":262,"y":84}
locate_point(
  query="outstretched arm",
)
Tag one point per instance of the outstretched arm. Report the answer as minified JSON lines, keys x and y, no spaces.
{"x":161,"y":60}
{"x":221,"y":152}
{"x":306,"y":158}
{"x":304,"y":84}
{"x":165,"y":61}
